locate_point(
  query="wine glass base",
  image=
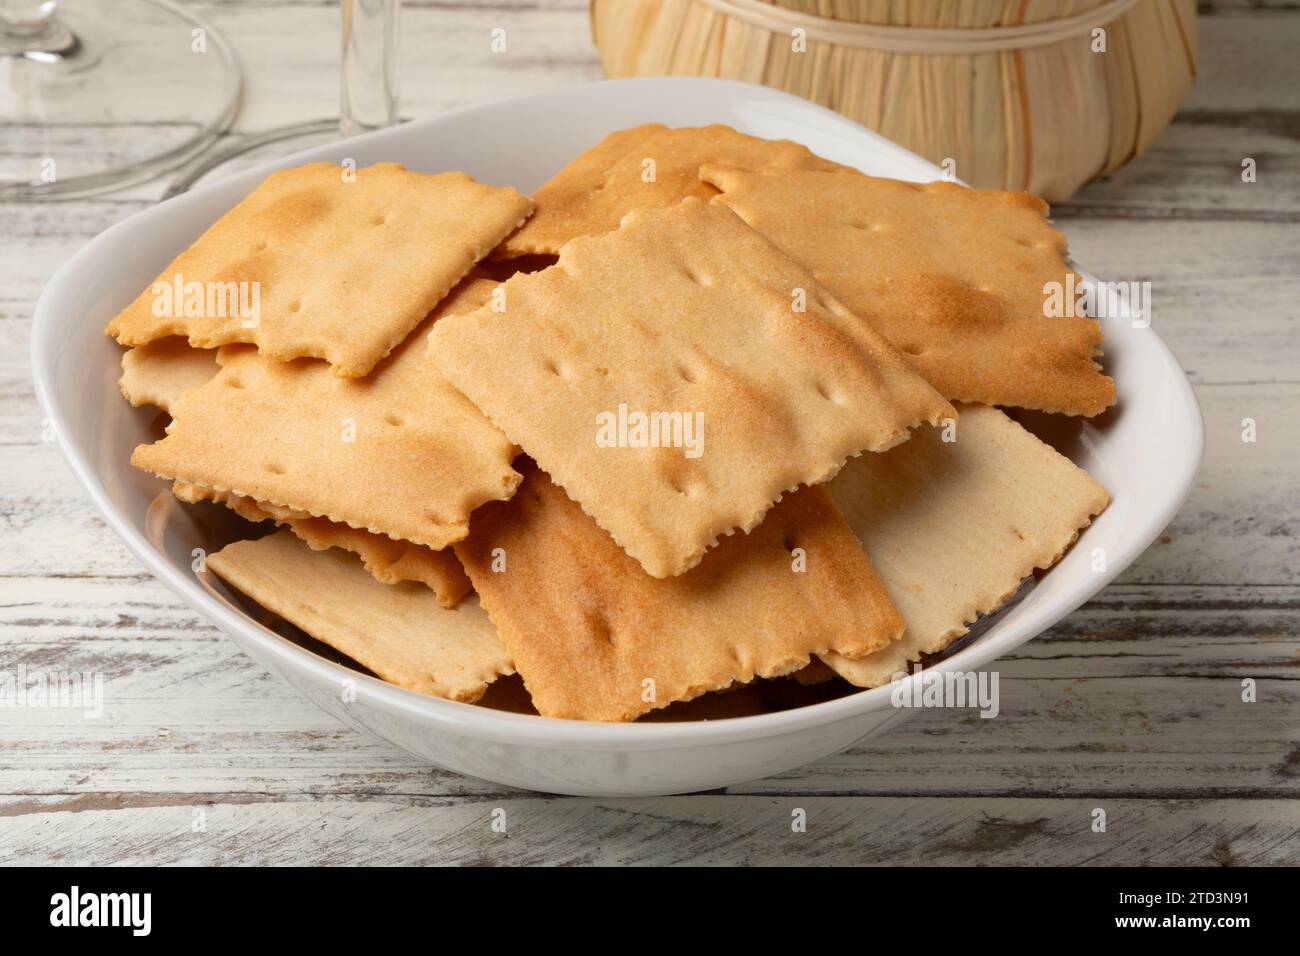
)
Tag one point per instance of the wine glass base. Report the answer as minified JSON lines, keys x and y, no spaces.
{"x":124,"y":92}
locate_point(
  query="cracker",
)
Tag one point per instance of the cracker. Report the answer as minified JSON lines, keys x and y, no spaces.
{"x":400,"y":452}
{"x":157,"y":373}
{"x":387,"y":560}
{"x":246,"y":508}
{"x":593,"y":193}
{"x":685,"y":311}
{"x":571,"y":197}
{"x":472,"y":292}
{"x":954,"y":527}
{"x":399,"y":632}
{"x":342,"y":270}
{"x":952,"y":276}
{"x":586,"y":627}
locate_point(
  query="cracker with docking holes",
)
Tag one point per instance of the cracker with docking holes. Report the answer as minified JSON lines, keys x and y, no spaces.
{"x":157,"y":373}
{"x":760,"y":359}
{"x":647,"y":166}
{"x":596,"y":638}
{"x":678,"y":376}
{"x":387,"y":560}
{"x":326,"y":262}
{"x":399,"y":452}
{"x":954,"y":527}
{"x":957,"y":278}
{"x":400,"y":632}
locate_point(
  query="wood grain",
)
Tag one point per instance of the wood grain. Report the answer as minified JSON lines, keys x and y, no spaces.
{"x":721,"y":830}
{"x":1132,"y":704}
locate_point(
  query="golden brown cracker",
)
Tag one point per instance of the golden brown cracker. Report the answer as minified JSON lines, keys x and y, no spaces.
{"x":330,"y":263}
{"x":157,"y":373}
{"x":387,"y":560}
{"x":593,"y":193}
{"x":954,"y":277}
{"x":399,"y":632}
{"x":571,"y":197}
{"x":596,"y":638}
{"x":246,"y":508}
{"x":400,"y":452}
{"x":685,"y":312}
{"x":954,"y":527}
{"x":472,"y":292}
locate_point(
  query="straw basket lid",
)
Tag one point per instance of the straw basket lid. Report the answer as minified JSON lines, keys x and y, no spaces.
{"x":1015,"y":94}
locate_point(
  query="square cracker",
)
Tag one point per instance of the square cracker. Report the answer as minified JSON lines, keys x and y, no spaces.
{"x":571,"y":198}
{"x":954,"y":527}
{"x":593,"y":193}
{"x":344,"y":269}
{"x":952,"y":276}
{"x":157,"y":373}
{"x":586,"y":627}
{"x":387,"y":560}
{"x":420,"y":459}
{"x":399,"y":632}
{"x":683,"y":310}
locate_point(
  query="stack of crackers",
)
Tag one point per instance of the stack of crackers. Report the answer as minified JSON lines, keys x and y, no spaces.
{"x":704,"y":410}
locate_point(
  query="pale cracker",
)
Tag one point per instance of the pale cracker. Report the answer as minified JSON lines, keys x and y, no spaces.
{"x":682,"y":310}
{"x":243,"y":506}
{"x":954,"y":527}
{"x":399,"y":632}
{"x":572,"y":196}
{"x":954,"y":277}
{"x":344,"y":270}
{"x":387,"y":560}
{"x":400,"y":452}
{"x":587,"y":628}
{"x":593,"y":193}
{"x":472,"y":292}
{"x":157,"y":373}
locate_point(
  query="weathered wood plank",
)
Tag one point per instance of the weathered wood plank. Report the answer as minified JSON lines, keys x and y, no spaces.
{"x":1247,"y":62}
{"x":685,"y":830}
{"x":1194,"y":171}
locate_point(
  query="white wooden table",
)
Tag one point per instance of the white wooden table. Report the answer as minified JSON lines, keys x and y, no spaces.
{"x":1132,"y":704}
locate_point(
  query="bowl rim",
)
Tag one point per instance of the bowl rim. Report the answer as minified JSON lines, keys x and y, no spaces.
{"x":487,"y":723}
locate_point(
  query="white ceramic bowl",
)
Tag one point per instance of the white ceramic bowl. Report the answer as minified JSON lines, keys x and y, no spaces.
{"x":1145,"y":452}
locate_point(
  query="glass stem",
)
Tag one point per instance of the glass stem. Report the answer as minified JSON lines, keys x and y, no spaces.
{"x":371,"y":44}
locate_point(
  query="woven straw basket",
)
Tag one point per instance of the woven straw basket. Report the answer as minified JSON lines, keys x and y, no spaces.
{"x":1016,"y":92}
